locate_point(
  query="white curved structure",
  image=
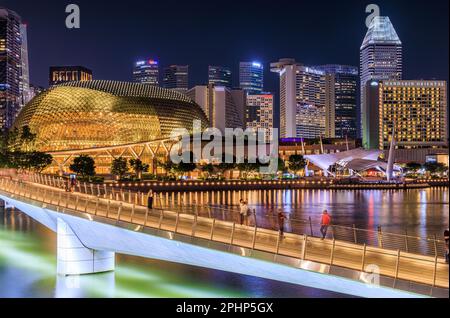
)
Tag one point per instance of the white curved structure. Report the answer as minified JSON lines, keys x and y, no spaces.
{"x":357,"y":160}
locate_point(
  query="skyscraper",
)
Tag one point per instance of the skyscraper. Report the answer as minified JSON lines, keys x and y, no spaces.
{"x":25,"y":90}
{"x":381,"y":59}
{"x":345,"y":90}
{"x":146,"y":72}
{"x":251,"y":77}
{"x":306,"y":100}
{"x":259,"y":113}
{"x":219,"y":76}
{"x":11,"y":88}
{"x":418,"y":111}
{"x":176,"y":77}
{"x":222,"y":106}
{"x":63,"y":74}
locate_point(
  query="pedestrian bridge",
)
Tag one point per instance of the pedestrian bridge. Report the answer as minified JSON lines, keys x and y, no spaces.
{"x":91,"y":229}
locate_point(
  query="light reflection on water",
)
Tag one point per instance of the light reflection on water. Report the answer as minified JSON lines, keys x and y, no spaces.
{"x":28,"y":267}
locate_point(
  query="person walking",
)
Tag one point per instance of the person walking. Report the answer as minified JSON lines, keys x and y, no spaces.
{"x":281,"y":220}
{"x":325,"y":223}
{"x":243,"y":210}
{"x":150,"y":200}
{"x":446,"y":245}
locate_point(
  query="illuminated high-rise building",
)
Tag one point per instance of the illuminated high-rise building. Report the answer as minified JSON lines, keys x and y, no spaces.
{"x":345,"y":96}
{"x":11,"y":84}
{"x":417,"y":109}
{"x":223,"y":107}
{"x":64,"y":74}
{"x":259,"y":113}
{"x":146,"y":72}
{"x":25,"y":90}
{"x":219,"y":76}
{"x":306,"y":100}
{"x":176,"y":77}
{"x":380,"y":59}
{"x":251,"y":77}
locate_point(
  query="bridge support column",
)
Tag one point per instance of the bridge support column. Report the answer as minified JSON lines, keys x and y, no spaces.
{"x":73,"y":258}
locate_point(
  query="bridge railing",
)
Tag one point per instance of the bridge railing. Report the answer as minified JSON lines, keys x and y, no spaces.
{"x":431,"y":246}
{"x":397,"y":264}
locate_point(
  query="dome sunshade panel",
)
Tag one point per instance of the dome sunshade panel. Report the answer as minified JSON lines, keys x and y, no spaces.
{"x":84,"y":115}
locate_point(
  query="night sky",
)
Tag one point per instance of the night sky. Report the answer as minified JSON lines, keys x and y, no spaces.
{"x":200,"y":33}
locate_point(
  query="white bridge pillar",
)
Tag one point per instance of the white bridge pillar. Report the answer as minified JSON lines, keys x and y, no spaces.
{"x":73,"y":258}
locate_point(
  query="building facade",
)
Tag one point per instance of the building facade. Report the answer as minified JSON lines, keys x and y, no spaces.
{"x":146,"y":72}
{"x":417,"y":109}
{"x":223,"y":107}
{"x":345,"y":80}
{"x":380,"y":59}
{"x":306,"y":100}
{"x":176,"y":77}
{"x":251,"y":77}
{"x":259,"y":114}
{"x":11,"y":79}
{"x":220,"y":76}
{"x":25,"y":90}
{"x":64,"y":74}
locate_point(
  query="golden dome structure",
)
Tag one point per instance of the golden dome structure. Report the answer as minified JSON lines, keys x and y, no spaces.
{"x":95,"y":114}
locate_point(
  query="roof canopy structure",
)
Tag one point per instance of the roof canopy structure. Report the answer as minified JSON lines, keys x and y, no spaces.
{"x":358,"y":160}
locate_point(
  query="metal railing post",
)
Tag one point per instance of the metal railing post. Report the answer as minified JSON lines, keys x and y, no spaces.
{"x":129,"y":196}
{"x":108,"y":206}
{"x":435,"y":245}
{"x":305,"y":242}
{"x":119,"y":211}
{"x":435,"y":270}
{"x":194,"y":225}
{"x":406,"y":240}
{"x":76,"y":202}
{"x":310,"y":227}
{"x":254,"y":238}
{"x":232,"y":233}
{"x":98,"y":189}
{"x":278,"y":242}
{"x":176,"y":222}
{"x":211,"y":236}
{"x":332,"y":252}
{"x":92,"y":188}
{"x":380,"y":237}
{"x":397,"y":265}
{"x":106,"y":190}
{"x":67,"y":199}
{"x":96,"y":206}
{"x":133,"y":207}
{"x":86,"y":205}
{"x":363,"y":258}
{"x":355,"y":238}
{"x":161,"y":219}
{"x":85,"y":188}
{"x":146,"y":216}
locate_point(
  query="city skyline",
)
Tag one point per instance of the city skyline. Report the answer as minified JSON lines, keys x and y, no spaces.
{"x":434,"y":66}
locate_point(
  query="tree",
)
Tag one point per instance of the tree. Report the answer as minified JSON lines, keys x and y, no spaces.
{"x":281,"y":165}
{"x":83,"y":165}
{"x":27,"y":138}
{"x":412,"y":167}
{"x":207,"y":169}
{"x":119,"y":167}
{"x":435,"y":167}
{"x":296,"y":163}
{"x":139,"y":167}
{"x":38,"y":161}
{"x":246,"y":167}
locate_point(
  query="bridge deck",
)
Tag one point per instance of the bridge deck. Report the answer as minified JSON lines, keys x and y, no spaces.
{"x":423,"y":269}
